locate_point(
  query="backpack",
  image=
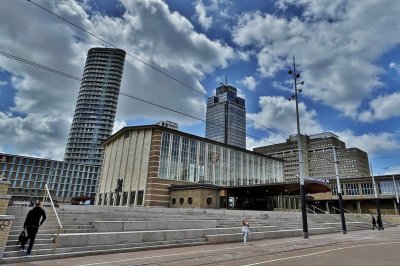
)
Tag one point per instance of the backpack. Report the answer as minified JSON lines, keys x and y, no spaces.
{"x":22,"y":237}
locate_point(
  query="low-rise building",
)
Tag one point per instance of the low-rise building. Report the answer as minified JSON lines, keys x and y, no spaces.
{"x":28,"y":175}
{"x":359,"y":195}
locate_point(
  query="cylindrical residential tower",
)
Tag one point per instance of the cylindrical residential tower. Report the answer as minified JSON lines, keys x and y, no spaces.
{"x":96,"y":106}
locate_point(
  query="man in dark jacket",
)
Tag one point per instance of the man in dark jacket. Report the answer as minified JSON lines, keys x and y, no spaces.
{"x":380,"y":224}
{"x":31,"y":224}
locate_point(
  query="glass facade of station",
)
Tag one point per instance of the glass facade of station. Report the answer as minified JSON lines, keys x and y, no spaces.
{"x":187,"y":159}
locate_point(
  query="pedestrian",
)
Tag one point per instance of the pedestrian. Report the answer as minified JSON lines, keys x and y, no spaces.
{"x":374,"y":223}
{"x":380,"y":224}
{"x":31,"y":224}
{"x":245,"y":230}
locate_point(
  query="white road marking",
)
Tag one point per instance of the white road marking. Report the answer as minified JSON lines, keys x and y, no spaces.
{"x":320,"y":252}
{"x":205,"y":251}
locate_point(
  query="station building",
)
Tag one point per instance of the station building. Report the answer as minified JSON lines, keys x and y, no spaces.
{"x":158,"y":166}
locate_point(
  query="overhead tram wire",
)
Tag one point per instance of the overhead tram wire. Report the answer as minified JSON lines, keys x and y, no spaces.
{"x":138,"y":59}
{"x":114,"y":46}
{"x":38,"y":65}
{"x":122,"y":93}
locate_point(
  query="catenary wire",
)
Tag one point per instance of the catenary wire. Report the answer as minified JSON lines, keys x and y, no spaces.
{"x":140,"y":60}
{"x":122,"y":93}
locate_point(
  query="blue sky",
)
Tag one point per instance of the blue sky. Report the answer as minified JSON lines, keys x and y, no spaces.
{"x":348,"y":54}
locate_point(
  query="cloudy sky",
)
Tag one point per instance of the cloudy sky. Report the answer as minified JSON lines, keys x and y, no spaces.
{"x":348,"y":53}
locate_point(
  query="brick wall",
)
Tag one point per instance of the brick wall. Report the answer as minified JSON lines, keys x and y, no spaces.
{"x":5,"y":220}
{"x":198,"y":196}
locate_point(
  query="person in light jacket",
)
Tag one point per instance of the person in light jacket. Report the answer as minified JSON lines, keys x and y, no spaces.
{"x":245,"y":230}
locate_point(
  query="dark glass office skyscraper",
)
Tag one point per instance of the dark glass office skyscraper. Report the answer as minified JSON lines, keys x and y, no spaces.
{"x":96,"y":106}
{"x":226,"y":117}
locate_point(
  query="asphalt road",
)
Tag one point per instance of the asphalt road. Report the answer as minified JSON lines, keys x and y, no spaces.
{"x":367,"y":247}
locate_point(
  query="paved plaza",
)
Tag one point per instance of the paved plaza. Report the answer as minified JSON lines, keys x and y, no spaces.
{"x":364,"y":248}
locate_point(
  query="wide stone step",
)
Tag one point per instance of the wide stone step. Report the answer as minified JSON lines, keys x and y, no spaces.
{"x":46,"y":254}
{"x":39,"y":237}
{"x":236,"y":237}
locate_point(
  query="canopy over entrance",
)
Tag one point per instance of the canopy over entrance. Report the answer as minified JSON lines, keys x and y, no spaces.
{"x":276,"y":189}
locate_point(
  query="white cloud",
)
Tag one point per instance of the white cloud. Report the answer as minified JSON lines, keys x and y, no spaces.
{"x":252,"y":143}
{"x":372,"y":143}
{"x":118,"y":125}
{"x":164,"y":39}
{"x":395,"y":66}
{"x":280,"y":114}
{"x":201,"y":11}
{"x":285,"y":86}
{"x":334,"y":43}
{"x":250,"y":82}
{"x":3,"y":83}
{"x":382,"y":108}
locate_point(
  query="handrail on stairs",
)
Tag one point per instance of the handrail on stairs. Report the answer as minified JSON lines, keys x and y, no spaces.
{"x":329,"y":214}
{"x":321,"y":210}
{"x":347,"y":216}
{"x":60,"y":228}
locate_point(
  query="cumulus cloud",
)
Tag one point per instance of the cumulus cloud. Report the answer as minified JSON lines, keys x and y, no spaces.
{"x":202,"y":17}
{"x":372,"y":143}
{"x":162,"y":38}
{"x":249,"y":82}
{"x":334,"y":43}
{"x":395,"y":66}
{"x":382,"y":108}
{"x":280,"y":114}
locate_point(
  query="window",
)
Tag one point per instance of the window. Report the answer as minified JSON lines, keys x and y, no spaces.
{"x":352,"y":189}
{"x":140,"y":198}
{"x":367,"y":188}
{"x":173,"y":201}
{"x":209,"y":201}
{"x":181,"y":201}
{"x":190,"y":200}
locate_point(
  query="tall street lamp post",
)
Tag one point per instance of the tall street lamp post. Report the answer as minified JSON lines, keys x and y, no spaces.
{"x":296,"y":76}
{"x":339,"y":192}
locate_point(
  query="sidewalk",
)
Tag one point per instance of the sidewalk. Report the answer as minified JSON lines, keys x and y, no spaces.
{"x":355,"y":248}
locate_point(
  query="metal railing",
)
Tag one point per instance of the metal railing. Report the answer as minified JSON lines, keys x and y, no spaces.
{"x":60,"y":228}
{"x":353,"y":217}
{"x":333,"y":219}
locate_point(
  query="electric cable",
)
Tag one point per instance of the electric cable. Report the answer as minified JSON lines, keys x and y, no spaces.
{"x":140,"y":60}
{"x":122,"y":93}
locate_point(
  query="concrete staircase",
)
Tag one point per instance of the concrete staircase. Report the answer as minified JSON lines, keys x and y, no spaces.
{"x":102,"y":229}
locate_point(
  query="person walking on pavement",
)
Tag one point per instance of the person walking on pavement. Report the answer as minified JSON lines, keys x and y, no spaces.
{"x":380,"y":224}
{"x":374,"y":223}
{"x":245,"y":230}
{"x":31,"y":224}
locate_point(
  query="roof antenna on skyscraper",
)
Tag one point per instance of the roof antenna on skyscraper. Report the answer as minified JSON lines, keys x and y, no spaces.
{"x":226,"y":81}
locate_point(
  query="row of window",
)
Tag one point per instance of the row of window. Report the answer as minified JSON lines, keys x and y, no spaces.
{"x":190,"y":160}
{"x":367,"y":188}
{"x":189,"y":201}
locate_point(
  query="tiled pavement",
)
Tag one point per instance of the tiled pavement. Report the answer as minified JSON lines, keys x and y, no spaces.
{"x":364,"y":248}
